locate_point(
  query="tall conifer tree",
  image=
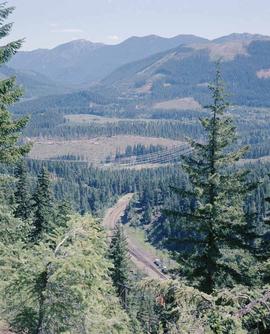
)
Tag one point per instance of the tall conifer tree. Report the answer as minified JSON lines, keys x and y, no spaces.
{"x":64,"y":288}
{"x":10,"y":130}
{"x":62,"y":214}
{"x":216,"y":254}
{"x":119,"y":256}
{"x":43,"y":206}
{"x":10,"y":93}
{"x":22,"y":193}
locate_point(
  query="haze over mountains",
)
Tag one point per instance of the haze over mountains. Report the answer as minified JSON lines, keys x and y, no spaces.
{"x":173,"y":67}
{"x":81,"y":62}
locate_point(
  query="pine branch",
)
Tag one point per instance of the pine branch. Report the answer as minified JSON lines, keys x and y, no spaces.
{"x":182,"y":192}
{"x":9,"y":50}
{"x":184,"y":215}
{"x":250,"y":307}
{"x":5,"y":11}
{"x":5,"y":30}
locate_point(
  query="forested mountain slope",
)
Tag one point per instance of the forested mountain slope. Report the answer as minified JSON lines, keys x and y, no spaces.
{"x":181,"y":72}
{"x":34,"y":83}
{"x":152,"y":66}
{"x":187,"y":70}
{"x":204,"y":210}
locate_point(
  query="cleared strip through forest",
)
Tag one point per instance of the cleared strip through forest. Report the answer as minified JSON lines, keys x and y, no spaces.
{"x":141,"y":258}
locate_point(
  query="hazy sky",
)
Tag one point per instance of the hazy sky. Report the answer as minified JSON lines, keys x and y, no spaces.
{"x":47,"y":23}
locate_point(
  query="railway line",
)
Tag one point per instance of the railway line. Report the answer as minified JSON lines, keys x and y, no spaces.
{"x":142,"y":259}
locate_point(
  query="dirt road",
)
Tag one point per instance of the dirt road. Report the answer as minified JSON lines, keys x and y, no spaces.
{"x":141,"y":258}
{"x":116,"y":212}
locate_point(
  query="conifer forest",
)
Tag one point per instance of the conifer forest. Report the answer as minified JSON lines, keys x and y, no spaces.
{"x":134,"y":178}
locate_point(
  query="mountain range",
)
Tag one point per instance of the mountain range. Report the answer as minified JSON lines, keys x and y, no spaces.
{"x":81,"y":62}
{"x":187,"y":70}
{"x":152,"y":65}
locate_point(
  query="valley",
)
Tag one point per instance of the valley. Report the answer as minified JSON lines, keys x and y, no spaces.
{"x":128,"y":133}
{"x":134,"y":189}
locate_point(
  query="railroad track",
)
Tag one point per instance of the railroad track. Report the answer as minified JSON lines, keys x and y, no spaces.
{"x":142,"y":259}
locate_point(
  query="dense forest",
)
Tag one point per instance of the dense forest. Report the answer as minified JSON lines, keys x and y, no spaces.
{"x":60,"y":270}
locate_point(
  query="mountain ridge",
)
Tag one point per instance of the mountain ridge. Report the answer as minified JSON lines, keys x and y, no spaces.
{"x":80,"y":64}
{"x":85,"y":62}
{"x":187,"y":70}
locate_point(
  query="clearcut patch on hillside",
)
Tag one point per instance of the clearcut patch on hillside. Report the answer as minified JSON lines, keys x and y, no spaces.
{"x":93,"y":150}
{"x":187,"y":103}
{"x":263,"y":74}
{"x":225,"y":52}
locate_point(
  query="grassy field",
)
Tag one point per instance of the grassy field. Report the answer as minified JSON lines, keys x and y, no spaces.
{"x":92,"y":150}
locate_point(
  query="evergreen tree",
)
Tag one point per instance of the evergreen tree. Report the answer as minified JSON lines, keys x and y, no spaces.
{"x":42,"y":207}
{"x":118,"y":253}
{"x":214,"y":224}
{"x":22,"y":193}
{"x":62,"y":214}
{"x":179,"y":308}
{"x":10,"y":129}
{"x":61,"y":289}
{"x":147,"y":215}
{"x":12,"y":229}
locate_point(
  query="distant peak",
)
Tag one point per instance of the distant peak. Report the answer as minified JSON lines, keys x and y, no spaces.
{"x":79,"y":43}
{"x":182,"y":38}
{"x":152,"y":36}
{"x":241,"y":37}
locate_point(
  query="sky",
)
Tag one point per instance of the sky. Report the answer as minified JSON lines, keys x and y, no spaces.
{"x":47,"y":23}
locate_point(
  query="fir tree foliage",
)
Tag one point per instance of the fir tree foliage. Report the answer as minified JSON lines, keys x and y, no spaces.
{"x":61,"y":289}
{"x":43,"y":206}
{"x":119,"y":255}
{"x":183,"y":309}
{"x":214,"y":224}
{"x":12,"y":229}
{"x":10,"y":130}
{"x":62,"y":214}
{"x":22,"y":193}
